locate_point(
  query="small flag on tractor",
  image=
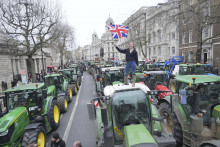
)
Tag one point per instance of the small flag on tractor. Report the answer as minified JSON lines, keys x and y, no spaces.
{"x":118,"y":31}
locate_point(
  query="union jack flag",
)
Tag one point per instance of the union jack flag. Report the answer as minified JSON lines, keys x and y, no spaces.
{"x":118,"y":31}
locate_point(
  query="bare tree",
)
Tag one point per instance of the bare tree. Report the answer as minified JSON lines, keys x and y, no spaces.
{"x":24,"y":21}
{"x":64,"y":41}
{"x":199,"y":16}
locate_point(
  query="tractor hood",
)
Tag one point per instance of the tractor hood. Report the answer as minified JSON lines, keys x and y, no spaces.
{"x":136,"y":135}
{"x":50,"y":89}
{"x":7,"y":120}
{"x":163,"y":88}
{"x":116,"y":83}
{"x":216,"y":111}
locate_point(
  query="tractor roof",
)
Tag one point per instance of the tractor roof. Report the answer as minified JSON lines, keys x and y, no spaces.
{"x":110,"y":90}
{"x":111,"y":68}
{"x":192,"y":64}
{"x":155,"y":72}
{"x":31,"y":86}
{"x":67,"y":69}
{"x":199,"y":79}
{"x":52,"y":75}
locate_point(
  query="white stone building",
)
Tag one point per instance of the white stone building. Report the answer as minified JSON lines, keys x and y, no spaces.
{"x":137,"y":35}
{"x":162,"y":33}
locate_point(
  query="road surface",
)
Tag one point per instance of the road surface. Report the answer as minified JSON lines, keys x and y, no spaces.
{"x":75,"y":124}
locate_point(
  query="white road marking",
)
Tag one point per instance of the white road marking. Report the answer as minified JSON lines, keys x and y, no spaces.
{"x":66,"y":134}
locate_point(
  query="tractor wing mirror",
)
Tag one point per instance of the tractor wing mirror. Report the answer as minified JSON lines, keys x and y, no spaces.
{"x":91,"y":111}
{"x":183,"y":97}
{"x":44,"y":93}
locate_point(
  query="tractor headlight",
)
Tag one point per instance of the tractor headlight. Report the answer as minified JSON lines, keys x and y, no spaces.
{"x":4,"y":133}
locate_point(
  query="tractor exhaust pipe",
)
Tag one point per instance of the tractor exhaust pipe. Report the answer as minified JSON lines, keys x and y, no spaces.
{"x":196,"y":103}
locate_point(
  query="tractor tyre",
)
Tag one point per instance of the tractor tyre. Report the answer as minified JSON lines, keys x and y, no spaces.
{"x":75,"y":90}
{"x":77,"y":84}
{"x":54,"y":115}
{"x":35,"y":136}
{"x":63,"y":103}
{"x":172,"y":124}
{"x":69,"y":92}
{"x":172,"y":85}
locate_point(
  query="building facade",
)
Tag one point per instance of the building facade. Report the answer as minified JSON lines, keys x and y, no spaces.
{"x":199,"y":31}
{"x":162,"y":33}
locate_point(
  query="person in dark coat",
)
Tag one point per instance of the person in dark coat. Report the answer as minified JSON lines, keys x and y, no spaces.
{"x":57,"y":141}
{"x":131,"y":62}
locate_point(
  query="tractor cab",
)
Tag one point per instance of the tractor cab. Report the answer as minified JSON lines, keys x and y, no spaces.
{"x":3,"y":109}
{"x":112,"y":75}
{"x":125,"y":111}
{"x":154,"y":78}
{"x":52,"y":69}
{"x":69,"y":74}
{"x":150,"y":67}
{"x":54,"y":83}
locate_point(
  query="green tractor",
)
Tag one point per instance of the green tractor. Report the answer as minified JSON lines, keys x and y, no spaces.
{"x":193,"y":115}
{"x":27,"y":114}
{"x":70,"y":79}
{"x":77,"y":71}
{"x":124,"y":116}
{"x":57,"y":87}
{"x":109,"y":76}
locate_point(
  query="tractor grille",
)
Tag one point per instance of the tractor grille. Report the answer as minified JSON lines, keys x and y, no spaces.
{"x":6,"y":138}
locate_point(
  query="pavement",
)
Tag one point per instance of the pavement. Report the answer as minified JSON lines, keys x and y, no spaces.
{"x":75,"y":124}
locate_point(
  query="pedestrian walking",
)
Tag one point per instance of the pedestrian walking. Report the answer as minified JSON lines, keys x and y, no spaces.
{"x":131,"y":62}
{"x":57,"y":141}
{"x":77,"y":144}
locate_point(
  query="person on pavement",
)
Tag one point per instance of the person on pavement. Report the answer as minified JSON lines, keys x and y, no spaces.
{"x":57,"y":141}
{"x":131,"y":62}
{"x":77,"y":144}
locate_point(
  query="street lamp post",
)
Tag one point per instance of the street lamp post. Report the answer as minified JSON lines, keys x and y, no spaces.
{"x":42,"y":59}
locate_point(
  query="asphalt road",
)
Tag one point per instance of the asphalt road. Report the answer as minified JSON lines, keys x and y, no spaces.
{"x":75,"y":124}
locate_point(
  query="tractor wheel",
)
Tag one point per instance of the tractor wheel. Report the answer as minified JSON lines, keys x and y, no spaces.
{"x":54,"y":115}
{"x":172,"y":85}
{"x":75,"y":90}
{"x":35,"y":136}
{"x":77,"y":84}
{"x":69,"y":92}
{"x":63,"y":103}
{"x":172,"y":124}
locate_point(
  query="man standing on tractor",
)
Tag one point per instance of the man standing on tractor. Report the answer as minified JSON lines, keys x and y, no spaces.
{"x":131,"y":62}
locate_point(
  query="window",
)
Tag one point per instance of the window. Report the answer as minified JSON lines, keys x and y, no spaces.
{"x":154,"y":37}
{"x":173,"y":50}
{"x":206,"y":32}
{"x":154,"y":51}
{"x":190,"y":36}
{"x":173,"y":35}
{"x":149,"y":51}
{"x":183,"y":7}
{"x":183,"y":38}
{"x":191,"y":2}
{"x":190,"y":56}
{"x":159,"y":50}
{"x":149,"y":38}
{"x":183,"y":54}
{"x":159,"y":35}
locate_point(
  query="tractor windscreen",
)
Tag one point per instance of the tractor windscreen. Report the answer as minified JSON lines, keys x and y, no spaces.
{"x":198,"y":70}
{"x":67,"y":73}
{"x":130,"y":107}
{"x":17,"y":99}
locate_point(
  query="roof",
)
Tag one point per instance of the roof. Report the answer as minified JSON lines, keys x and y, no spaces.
{"x":67,"y":69}
{"x":110,"y":90}
{"x":155,"y":72}
{"x":31,"y":86}
{"x":52,"y":75}
{"x":112,"y":68}
{"x":199,"y":78}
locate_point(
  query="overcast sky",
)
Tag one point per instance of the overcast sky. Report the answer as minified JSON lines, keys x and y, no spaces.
{"x":87,"y":16}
